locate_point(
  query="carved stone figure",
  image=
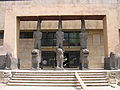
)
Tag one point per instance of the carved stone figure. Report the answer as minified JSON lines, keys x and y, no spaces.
{"x":107,"y":63}
{"x":37,"y":35}
{"x":83,"y":36}
{"x":118,"y":62}
{"x":113,"y":61}
{"x":112,"y":77}
{"x":84,"y":58}
{"x":59,"y":58}
{"x":8,"y":60}
{"x":14,"y":63}
{"x":2,"y":61}
{"x":36,"y":58}
{"x":7,"y":76}
{"x":60,"y":35}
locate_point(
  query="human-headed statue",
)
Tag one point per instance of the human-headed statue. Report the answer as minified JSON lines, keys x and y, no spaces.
{"x":37,"y":35}
{"x":60,"y":35}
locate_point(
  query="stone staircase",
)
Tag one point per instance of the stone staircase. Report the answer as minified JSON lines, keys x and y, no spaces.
{"x":94,"y":78}
{"x":57,"y":78}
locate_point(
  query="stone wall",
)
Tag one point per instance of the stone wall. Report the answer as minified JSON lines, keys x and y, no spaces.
{"x":4,"y":5}
{"x":96,"y":48}
{"x":24,"y":53}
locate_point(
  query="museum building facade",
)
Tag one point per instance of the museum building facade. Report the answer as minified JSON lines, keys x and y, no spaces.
{"x":19,"y":22}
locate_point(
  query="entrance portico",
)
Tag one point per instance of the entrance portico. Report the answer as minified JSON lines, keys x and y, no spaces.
{"x":15,"y":15}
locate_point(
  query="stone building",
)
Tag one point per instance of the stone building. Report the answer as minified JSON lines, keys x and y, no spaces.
{"x":18,"y":21}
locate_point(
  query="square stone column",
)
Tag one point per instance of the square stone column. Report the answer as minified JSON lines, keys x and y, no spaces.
{"x":111,"y":32}
{"x":11,"y":32}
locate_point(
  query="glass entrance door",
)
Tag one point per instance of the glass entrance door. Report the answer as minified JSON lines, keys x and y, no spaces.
{"x":71,"y":59}
{"x":48,"y":59}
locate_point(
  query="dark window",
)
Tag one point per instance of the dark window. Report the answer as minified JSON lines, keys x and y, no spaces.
{"x":71,"y":39}
{"x":27,"y":35}
{"x":71,"y":59}
{"x":48,"y":39}
{"x":49,"y":58}
{"x":1,"y":35}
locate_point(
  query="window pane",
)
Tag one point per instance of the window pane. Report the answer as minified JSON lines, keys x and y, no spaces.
{"x":26,"y":35}
{"x":66,"y":42}
{"x":48,"y":39}
{"x":65,"y":35}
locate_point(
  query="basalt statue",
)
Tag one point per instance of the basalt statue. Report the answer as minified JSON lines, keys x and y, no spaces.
{"x":60,"y":35}
{"x":37,"y":35}
{"x":8,"y":60}
{"x":113,"y":61}
{"x":83,"y":35}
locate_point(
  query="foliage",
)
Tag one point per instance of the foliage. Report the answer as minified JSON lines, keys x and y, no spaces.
{"x":118,"y":83}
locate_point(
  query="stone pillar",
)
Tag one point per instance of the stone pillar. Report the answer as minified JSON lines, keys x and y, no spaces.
{"x":11,"y":33}
{"x":111,"y":32}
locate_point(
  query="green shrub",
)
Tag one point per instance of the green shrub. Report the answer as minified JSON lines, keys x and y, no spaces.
{"x":112,"y":86}
{"x":118,"y":83}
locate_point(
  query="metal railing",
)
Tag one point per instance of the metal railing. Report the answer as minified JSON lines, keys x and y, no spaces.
{"x":83,"y":86}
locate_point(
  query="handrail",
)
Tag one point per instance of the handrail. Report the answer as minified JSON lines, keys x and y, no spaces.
{"x":84,"y":87}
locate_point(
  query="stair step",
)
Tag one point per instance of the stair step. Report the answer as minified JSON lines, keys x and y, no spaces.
{"x":27,"y":74}
{"x":45,"y":76}
{"x":58,"y":72}
{"x":103,"y":81}
{"x":95,"y":79}
{"x":21,"y":81}
{"x":28,"y":81}
{"x":56,"y":79}
{"x":57,"y":76}
{"x":97,"y":84}
{"x":57,"y":84}
{"x":37,"y":84}
{"x":92,"y":76}
{"x":55,"y":72}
